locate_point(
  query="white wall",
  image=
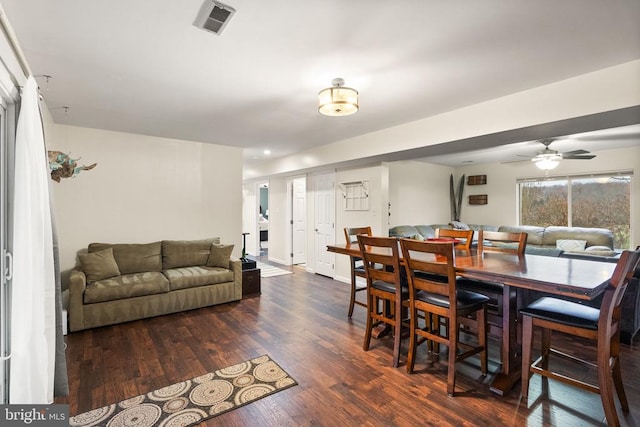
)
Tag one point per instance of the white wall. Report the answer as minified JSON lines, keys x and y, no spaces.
{"x":419,"y":193}
{"x":501,"y":185}
{"x":375,"y":216}
{"x":145,"y":189}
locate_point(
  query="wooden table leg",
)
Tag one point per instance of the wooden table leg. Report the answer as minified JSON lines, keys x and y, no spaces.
{"x":510,"y":353}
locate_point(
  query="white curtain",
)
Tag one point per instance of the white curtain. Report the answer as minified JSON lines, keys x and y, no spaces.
{"x":33,"y":290}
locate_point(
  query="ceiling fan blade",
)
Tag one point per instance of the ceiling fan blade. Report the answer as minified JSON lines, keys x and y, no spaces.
{"x":574,"y":152}
{"x":515,"y":161}
{"x":579,"y":157}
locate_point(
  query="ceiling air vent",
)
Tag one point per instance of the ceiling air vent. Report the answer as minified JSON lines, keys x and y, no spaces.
{"x":213,"y":16}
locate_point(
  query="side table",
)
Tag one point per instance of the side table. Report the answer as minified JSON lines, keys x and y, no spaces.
{"x":250,"y":282}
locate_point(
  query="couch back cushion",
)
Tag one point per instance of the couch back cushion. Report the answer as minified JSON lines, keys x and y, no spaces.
{"x":535,"y":234}
{"x":186,"y":253}
{"x":403,"y":231}
{"x":133,"y":257}
{"x":593,"y":236}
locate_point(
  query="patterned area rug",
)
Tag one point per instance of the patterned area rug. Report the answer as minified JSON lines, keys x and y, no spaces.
{"x":270,"y":271}
{"x":193,"y":401}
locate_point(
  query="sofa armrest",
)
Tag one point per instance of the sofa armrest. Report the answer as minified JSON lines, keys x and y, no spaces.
{"x":236,"y":266}
{"x":77,"y":285}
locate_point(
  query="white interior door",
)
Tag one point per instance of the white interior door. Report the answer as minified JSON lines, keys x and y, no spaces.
{"x":325,"y":214}
{"x":298,"y":220}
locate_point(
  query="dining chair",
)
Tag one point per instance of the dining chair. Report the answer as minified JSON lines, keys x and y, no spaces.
{"x":500,"y":241}
{"x":601,"y":325}
{"x":385,"y":284}
{"x":357,"y":266}
{"x":433,"y":291}
{"x":467,"y":235}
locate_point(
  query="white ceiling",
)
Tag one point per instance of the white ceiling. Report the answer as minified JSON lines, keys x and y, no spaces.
{"x":142,"y":67}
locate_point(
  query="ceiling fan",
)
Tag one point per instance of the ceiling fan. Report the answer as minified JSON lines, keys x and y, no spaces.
{"x":548,"y":159}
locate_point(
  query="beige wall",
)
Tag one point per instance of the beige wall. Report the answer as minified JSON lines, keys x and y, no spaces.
{"x":145,"y":189}
{"x":419,"y":193}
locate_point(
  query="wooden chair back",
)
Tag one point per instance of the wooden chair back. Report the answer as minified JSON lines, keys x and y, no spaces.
{"x":610,"y":310}
{"x":500,"y":241}
{"x":467,"y":235}
{"x":381,"y":257}
{"x":351,"y":234}
{"x":430,"y":267}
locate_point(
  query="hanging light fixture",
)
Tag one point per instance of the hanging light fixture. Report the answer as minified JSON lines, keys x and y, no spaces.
{"x":547,"y":161}
{"x":338,"y":100}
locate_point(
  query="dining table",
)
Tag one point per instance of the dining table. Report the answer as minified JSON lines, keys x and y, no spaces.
{"x":578,"y":279}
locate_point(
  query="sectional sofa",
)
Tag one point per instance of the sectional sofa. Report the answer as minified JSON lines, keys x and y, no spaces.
{"x":116,"y":283}
{"x":570,"y":242}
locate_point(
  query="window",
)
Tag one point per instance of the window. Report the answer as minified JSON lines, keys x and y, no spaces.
{"x":602,"y":201}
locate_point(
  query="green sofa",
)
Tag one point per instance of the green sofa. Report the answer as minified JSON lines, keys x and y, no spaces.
{"x":116,"y":283}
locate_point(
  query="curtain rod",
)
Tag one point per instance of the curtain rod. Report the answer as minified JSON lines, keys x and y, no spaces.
{"x":13,"y":42}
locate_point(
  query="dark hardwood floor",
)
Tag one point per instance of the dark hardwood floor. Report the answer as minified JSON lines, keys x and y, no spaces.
{"x":300,"y":321}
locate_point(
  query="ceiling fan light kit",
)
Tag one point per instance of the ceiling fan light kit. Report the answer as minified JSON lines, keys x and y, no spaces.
{"x":338,"y":100}
{"x":547,"y":161}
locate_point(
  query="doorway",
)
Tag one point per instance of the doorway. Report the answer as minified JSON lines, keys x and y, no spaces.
{"x":263,"y":219}
{"x":297,"y":208}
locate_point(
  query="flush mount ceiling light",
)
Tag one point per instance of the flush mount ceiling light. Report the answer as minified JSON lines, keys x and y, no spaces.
{"x":547,"y":161}
{"x":338,"y":100}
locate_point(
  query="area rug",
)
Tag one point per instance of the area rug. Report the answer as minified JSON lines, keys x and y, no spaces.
{"x":270,"y":271}
{"x":193,"y":401}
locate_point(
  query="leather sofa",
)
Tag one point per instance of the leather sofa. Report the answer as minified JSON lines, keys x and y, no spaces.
{"x":116,"y":283}
{"x":587,"y":243}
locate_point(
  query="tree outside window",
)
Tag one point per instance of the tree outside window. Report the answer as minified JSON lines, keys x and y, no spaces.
{"x":602,"y":201}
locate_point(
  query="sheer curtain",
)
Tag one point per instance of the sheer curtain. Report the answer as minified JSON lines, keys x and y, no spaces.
{"x":33,"y":326}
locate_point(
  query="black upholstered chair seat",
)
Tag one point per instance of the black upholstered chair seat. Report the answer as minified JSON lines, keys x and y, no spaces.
{"x":466,"y":299}
{"x":390,"y":287}
{"x":562,"y":311}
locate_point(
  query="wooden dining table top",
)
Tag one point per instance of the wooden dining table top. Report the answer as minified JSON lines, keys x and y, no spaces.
{"x":577,"y":278}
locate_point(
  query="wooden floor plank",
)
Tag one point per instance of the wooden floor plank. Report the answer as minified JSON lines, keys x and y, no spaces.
{"x":300,"y":321}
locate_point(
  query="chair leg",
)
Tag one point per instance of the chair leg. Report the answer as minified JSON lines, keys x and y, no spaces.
{"x":606,"y":386}
{"x":481,"y":318}
{"x":367,"y":331}
{"x":617,"y":374}
{"x":453,"y":351}
{"x":397,"y":333}
{"x":353,"y":293}
{"x":527,"y":343}
{"x":413,"y":325}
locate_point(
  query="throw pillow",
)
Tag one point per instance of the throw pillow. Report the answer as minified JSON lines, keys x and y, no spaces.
{"x":571,"y":245}
{"x":220,"y":255}
{"x":99,"y":265}
{"x":457,"y":225}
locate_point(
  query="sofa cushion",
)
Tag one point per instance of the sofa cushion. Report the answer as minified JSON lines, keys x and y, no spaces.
{"x":133,"y":257}
{"x":126,"y":286}
{"x":426,"y":231}
{"x":535,"y":235}
{"x":99,"y":265}
{"x":600,"y":251}
{"x":186,"y":253}
{"x":403,"y":231}
{"x":571,"y":245}
{"x":593,"y":236}
{"x":220,"y":255}
{"x":191,"y":277}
